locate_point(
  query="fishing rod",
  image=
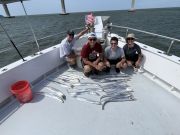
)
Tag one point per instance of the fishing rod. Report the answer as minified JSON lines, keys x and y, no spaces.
{"x":27,"y":19}
{"x":12,"y":42}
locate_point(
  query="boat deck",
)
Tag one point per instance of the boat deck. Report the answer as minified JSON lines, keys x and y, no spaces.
{"x":144,"y":108}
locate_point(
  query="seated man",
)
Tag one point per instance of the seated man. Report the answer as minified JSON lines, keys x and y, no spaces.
{"x":91,"y":55}
{"x":132,"y":52}
{"x":67,"y":44}
{"x":114,"y":55}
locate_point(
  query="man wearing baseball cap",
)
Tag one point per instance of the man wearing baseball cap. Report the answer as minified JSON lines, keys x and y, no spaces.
{"x":132,"y":52}
{"x":67,"y":44}
{"x":91,"y":55}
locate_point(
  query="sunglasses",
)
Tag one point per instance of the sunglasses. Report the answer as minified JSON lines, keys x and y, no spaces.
{"x":130,"y":38}
{"x":92,"y":39}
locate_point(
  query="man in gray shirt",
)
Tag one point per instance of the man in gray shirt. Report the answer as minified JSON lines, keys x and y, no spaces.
{"x":66,"y":46}
{"x":114,"y":55}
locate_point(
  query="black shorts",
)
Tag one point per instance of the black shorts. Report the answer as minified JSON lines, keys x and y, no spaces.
{"x":133,"y":60}
{"x":114,"y":62}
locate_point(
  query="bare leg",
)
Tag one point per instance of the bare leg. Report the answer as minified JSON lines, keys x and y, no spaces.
{"x":121,"y":65}
{"x":87,"y":70}
{"x":129,"y":63}
{"x":100,"y":66}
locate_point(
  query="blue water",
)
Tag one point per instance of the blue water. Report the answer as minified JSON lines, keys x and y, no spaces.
{"x":161,"y":21}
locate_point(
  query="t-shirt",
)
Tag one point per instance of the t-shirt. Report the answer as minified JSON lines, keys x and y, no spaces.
{"x":113,"y":55}
{"x":132,"y":53}
{"x":66,"y":47}
{"x":91,"y":53}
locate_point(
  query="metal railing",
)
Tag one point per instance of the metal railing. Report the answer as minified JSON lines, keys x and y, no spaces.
{"x":45,"y":42}
{"x":149,"y":33}
{"x":30,"y":41}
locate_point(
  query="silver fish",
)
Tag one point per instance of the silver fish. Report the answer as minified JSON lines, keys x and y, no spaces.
{"x":117,"y":96}
{"x":74,"y":94}
{"x":51,"y":95}
{"x":57,"y":91}
{"x":88,"y":100}
{"x":115,"y":100}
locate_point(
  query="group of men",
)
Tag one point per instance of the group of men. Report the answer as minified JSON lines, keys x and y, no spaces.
{"x":94,"y":59}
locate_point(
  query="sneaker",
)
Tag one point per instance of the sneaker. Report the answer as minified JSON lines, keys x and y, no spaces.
{"x":141,"y":70}
{"x":87,"y":74}
{"x":117,"y":70}
{"x":72,"y":66}
{"x":135,"y":69}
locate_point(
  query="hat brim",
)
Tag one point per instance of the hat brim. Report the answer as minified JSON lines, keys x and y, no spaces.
{"x":131,"y":37}
{"x":92,"y":37}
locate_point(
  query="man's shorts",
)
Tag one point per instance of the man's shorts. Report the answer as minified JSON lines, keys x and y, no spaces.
{"x":114,"y":62}
{"x":133,"y":60}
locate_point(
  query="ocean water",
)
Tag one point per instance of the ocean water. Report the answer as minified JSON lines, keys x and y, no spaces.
{"x":164,"y":21}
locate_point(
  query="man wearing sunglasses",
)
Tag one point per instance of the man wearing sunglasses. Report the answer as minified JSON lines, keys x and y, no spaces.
{"x":66,"y":46}
{"x":91,"y":55}
{"x":132,"y":52}
{"x":114,"y":55}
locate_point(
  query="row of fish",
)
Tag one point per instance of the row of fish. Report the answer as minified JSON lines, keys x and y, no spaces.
{"x":52,"y":93}
{"x":109,"y":88}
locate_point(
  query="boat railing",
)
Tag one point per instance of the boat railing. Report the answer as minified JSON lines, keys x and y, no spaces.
{"x":29,"y":47}
{"x":39,"y":39}
{"x":149,"y":33}
{"x":26,"y":42}
{"x":173,"y":40}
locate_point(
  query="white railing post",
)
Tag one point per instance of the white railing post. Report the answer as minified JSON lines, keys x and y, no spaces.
{"x":127,"y":30}
{"x":170,"y":46}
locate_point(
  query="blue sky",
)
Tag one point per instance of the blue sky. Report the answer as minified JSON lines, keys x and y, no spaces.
{"x":54,"y":6}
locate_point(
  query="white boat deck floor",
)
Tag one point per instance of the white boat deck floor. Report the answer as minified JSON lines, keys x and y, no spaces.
{"x":154,"y":112}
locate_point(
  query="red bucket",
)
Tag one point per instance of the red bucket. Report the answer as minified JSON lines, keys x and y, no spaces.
{"x":22,"y":91}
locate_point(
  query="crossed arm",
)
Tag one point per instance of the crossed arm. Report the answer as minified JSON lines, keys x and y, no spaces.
{"x":94,"y":63}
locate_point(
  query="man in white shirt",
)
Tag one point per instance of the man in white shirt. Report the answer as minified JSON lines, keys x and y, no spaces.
{"x":67,"y":44}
